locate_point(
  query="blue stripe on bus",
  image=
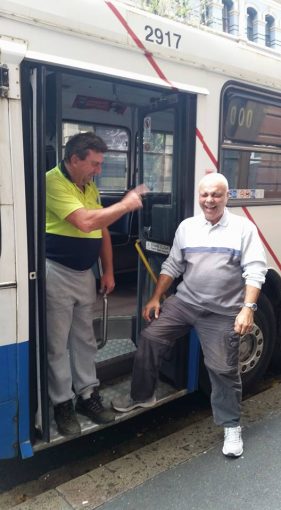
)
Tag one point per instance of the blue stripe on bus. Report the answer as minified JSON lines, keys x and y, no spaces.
{"x":23,"y":396}
{"x":14,"y":400}
{"x":8,"y":401}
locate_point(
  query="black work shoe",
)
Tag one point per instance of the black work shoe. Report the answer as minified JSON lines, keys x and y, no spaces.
{"x":92,"y":408}
{"x":66,"y":419}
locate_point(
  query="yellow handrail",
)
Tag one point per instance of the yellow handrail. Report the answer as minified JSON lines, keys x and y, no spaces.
{"x":145,"y":261}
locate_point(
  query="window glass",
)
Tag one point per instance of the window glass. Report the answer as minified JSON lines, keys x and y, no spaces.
{"x":251,"y":18}
{"x":269,"y":30}
{"x":251,"y":144}
{"x":158,"y":158}
{"x":116,"y":161}
{"x":115,"y":138}
{"x":253,"y":171}
{"x":114,"y":172}
{"x":72,"y":128}
{"x":226,"y":15}
{"x":156,"y":171}
{"x":252,"y":120}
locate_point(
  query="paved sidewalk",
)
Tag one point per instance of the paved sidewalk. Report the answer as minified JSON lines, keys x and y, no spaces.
{"x":186,"y":470}
{"x":252,"y":482}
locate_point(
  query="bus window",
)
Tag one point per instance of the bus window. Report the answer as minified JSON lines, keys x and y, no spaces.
{"x":116,"y":161}
{"x":158,"y":159}
{"x":254,"y":171}
{"x":251,"y":144}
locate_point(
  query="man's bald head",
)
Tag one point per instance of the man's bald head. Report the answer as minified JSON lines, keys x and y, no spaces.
{"x":213,"y":196}
{"x":212,"y":180}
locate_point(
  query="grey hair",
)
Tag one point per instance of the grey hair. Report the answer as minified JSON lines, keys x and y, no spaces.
{"x":214,"y":178}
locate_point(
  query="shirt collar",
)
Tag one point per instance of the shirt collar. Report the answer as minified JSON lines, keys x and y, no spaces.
{"x":64,"y":170}
{"x":223,"y":222}
{"x":66,"y":173}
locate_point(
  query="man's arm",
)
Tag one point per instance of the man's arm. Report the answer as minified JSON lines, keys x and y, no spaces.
{"x":245,"y":319}
{"x":254,"y":266}
{"x":107,"y":279}
{"x":171,"y":268}
{"x":164,"y":282}
{"x":93,"y":219}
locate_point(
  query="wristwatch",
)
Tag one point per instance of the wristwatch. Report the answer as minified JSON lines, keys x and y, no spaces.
{"x":253,"y":306}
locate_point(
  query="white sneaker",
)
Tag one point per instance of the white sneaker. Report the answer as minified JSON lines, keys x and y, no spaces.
{"x":233,"y":444}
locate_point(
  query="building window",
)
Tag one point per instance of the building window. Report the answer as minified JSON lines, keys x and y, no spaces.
{"x":269,"y":31}
{"x":226,"y":15}
{"x":251,"y":18}
{"x":205,"y":12}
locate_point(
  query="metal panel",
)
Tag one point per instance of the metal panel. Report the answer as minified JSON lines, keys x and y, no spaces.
{"x":23,"y":400}
{"x":8,"y":401}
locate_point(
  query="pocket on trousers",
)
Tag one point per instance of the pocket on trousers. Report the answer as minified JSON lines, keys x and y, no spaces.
{"x":232,"y":347}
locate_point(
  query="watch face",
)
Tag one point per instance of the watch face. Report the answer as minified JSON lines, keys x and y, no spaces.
{"x":253,"y":306}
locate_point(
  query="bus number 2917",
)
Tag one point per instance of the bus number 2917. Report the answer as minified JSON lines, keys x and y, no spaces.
{"x":156,"y":35}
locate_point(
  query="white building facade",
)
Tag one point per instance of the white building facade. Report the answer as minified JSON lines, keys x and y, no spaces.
{"x":257,"y":21}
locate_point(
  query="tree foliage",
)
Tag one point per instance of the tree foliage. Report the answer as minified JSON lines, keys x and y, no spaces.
{"x":177,"y":9}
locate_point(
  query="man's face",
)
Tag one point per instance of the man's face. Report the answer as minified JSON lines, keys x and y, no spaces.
{"x":212,"y":200}
{"x":87,"y":168}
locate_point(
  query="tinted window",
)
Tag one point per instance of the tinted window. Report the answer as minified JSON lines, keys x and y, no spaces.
{"x":252,"y":120}
{"x":251,"y":144}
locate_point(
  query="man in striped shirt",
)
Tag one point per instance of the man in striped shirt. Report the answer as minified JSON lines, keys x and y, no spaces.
{"x":222,"y":263}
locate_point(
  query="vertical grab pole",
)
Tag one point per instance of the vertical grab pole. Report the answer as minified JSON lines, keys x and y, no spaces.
{"x":101,"y":343}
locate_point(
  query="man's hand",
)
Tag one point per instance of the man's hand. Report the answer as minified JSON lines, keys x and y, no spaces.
{"x":133,"y":199}
{"x":151,"y":308}
{"x":107,"y":283}
{"x":244,"y":321}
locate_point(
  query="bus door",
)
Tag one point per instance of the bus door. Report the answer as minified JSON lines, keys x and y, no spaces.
{"x":34,"y":80}
{"x":166,"y":167}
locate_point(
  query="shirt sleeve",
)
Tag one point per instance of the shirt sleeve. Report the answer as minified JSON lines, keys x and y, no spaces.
{"x":253,"y":259}
{"x":60,"y":200}
{"x":175,"y":264}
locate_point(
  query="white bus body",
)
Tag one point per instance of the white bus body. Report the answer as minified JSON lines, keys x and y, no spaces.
{"x":97,"y":64}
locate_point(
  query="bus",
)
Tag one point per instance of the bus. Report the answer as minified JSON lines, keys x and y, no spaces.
{"x":173,"y":103}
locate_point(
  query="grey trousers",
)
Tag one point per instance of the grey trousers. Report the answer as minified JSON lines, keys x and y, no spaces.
{"x":220,"y":346}
{"x":72,"y":347}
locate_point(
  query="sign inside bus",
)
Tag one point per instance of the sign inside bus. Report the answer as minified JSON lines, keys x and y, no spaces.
{"x":250,"y":120}
{"x":98,"y":103}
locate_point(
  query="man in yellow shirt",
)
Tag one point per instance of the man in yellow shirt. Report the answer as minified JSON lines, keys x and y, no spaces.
{"x":76,"y":235}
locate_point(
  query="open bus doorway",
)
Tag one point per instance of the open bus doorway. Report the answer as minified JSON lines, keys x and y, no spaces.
{"x":58,"y":104}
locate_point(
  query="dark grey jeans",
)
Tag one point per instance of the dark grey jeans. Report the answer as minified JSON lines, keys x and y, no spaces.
{"x":220,"y":346}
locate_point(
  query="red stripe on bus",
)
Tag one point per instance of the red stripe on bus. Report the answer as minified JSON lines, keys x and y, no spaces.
{"x":140,"y":45}
{"x":161,"y":75}
{"x":270,"y":250}
{"x":206,"y":148}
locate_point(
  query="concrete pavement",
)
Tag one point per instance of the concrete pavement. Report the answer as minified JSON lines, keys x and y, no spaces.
{"x":186,"y":470}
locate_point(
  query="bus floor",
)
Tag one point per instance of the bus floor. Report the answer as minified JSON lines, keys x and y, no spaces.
{"x":109,"y":391}
{"x":115,"y":356}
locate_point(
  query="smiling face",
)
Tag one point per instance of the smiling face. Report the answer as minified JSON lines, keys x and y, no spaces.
{"x":213,"y":196}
